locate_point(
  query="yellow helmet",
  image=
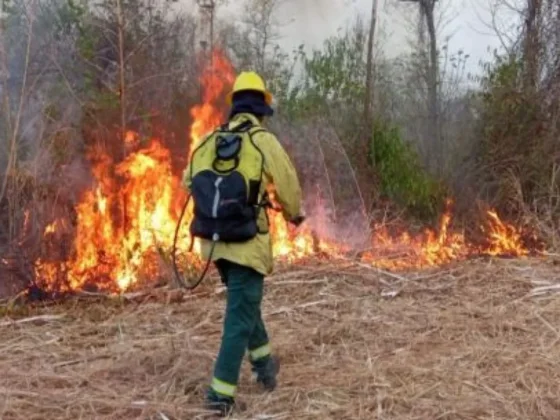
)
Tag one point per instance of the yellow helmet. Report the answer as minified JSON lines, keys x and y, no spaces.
{"x":249,"y":80}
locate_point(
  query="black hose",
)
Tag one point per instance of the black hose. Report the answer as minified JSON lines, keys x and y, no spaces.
{"x":178,"y":276}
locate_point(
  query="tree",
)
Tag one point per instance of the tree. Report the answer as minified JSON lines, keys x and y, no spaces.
{"x":253,"y":43}
{"x":60,"y":85}
{"x":426,"y":10}
{"x":532,"y":44}
{"x":368,"y":101}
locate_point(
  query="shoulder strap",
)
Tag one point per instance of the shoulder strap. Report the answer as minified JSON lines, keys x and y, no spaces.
{"x":241,"y":128}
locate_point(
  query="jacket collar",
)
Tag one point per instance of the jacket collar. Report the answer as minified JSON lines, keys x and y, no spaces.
{"x":242,"y":117}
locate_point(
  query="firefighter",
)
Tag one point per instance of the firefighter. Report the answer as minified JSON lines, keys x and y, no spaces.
{"x":228,"y":178}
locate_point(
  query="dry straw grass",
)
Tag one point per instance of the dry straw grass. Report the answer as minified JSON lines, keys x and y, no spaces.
{"x":466,"y":342}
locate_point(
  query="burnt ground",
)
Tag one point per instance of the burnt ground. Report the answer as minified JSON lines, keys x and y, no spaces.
{"x":469,"y":341}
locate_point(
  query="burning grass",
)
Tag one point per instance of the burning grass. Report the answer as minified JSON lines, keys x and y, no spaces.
{"x":468,"y":341}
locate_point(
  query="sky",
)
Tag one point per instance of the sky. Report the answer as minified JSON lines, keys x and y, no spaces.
{"x":466,"y":22}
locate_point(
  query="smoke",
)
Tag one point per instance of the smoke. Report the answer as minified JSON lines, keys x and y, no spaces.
{"x":310,"y":22}
{"x":33,"y":57}
{"x":332,"y":200}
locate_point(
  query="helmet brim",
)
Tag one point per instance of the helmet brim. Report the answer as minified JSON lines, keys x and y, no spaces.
{"x":267,"y":97}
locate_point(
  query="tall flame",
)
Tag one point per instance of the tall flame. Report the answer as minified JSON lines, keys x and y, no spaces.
{"x":122,"y":222}
{"x":217,"y":78}
{"x":126,"y":222}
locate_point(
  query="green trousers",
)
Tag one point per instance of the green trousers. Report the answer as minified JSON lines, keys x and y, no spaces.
{"x":243,"y":328}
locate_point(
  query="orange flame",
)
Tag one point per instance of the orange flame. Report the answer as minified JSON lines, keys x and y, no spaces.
{"x":51,"y":228}
{"x":438,"y":247}
{"x":430,"y":248}
{"x":504,"y":239}
{"x":126,"y":222}
{"x":121,"y":226}
{"x":208,"y":115}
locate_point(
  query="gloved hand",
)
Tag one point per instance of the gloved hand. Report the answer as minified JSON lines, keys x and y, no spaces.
{"x":298,"y":220}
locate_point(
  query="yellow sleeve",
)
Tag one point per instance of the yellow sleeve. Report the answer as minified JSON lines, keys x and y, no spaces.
{"x":279,"y":169}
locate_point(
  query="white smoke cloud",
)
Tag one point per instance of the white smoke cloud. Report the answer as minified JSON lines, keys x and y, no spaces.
{"x":312,"y":21}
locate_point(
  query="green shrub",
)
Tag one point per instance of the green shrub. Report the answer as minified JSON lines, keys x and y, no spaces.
{"x":518,"y":149}
{"x":402,"y":179}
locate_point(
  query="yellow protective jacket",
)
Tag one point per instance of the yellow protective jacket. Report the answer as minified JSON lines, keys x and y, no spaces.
{"x":278,"y":171}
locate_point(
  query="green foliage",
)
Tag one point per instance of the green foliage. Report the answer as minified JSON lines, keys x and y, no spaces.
{"x":333,"y":76}
{"x":401,"y":176}
{"x":511,"y":130}
{"x":333,"y":85}
{"x":69,"y":18}
{"x":337,"y":72}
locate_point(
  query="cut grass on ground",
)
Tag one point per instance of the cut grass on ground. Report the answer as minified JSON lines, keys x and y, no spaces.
{"x":468,"y":341}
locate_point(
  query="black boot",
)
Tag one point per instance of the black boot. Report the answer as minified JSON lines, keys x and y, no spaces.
{"x":266,"y":371}
{"x":222,"y":405}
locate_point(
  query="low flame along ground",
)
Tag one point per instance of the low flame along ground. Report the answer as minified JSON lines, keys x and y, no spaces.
{"x":126,"y":221}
